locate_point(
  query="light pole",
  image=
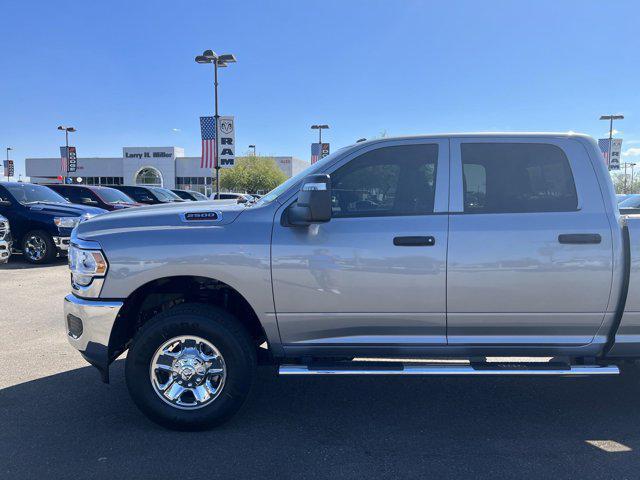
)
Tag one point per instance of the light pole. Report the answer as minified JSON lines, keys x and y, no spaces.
{"x":66,"y":152}
{"x":611,"y":118}
{"x":254,"y":150}
{"x":209,"y":56}
{"x":8,"y":150}
{"x":319,"y":128}
{"x":632,"y":165}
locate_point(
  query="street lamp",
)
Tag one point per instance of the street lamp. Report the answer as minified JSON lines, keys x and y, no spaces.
{"x":66,"y":131}
{"x":8,"y":150}
{"x":254,"y":149}
{"x":319,"y":128}
{"x":611,"y":118}
{"x":209,"y":56}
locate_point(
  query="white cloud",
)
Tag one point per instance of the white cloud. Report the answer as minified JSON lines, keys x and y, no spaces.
{"x":615,"y":132}
{"x":176,"y":129}
{"x":631,"y":152}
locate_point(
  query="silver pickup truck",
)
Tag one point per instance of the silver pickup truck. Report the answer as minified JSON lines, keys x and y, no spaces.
{"x":381,"y":259}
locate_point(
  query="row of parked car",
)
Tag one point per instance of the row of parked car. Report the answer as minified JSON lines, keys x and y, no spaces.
{"x":36,"y":220}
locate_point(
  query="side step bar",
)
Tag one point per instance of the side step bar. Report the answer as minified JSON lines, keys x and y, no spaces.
{"x":436,"y":369}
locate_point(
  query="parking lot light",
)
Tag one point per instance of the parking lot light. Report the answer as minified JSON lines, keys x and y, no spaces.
{"x":209,"y":56}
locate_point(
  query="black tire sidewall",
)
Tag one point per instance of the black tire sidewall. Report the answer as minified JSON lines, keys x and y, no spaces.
{"x":50,"y":253}
{"x":236,"y":350}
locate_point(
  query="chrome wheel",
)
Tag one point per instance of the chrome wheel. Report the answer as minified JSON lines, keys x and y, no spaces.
{"x":35,"y":248}
{"x":187,"y":372}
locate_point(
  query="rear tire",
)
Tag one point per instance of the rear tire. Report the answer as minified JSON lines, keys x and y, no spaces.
{"x":191,"y":345}
{"x":38,"y":247}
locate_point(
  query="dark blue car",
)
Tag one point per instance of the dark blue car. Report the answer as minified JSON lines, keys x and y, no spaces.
{"x":40,"y":220}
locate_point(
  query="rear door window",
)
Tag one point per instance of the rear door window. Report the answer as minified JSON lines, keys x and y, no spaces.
{"x":516,"y":177}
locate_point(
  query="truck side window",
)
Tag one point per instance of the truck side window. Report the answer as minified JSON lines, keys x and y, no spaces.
{"x":516,"y":177}
{"x":388,"y":181}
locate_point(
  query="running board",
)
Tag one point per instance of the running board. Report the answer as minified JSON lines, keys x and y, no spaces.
{"x":437,"y":369}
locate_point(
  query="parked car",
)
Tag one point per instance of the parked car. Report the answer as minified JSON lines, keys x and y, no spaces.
{"x":149,"y":195}
{"x":190,"y":195}
{"x":101,"y":197}
{"x":238,"y":197}
{"x":5,"y":240}
{"x":469,"y":246}
{"x":630,"y":205}
{"x":41,"y":220}
{"x":622,"y":196}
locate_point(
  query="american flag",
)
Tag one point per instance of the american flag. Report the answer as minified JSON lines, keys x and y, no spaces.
{"x":316,"y":148}
{"x":63,"y":159}
{"x":209,"y":144}
{"x":603,"y":143}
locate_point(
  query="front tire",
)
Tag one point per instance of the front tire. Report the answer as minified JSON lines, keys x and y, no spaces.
{"x":38,"y":247}
{"x":191,"y":367}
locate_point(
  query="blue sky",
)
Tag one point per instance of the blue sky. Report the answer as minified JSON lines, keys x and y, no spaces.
{"x":122,"y":72}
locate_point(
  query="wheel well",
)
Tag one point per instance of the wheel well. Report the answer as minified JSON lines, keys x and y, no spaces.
{"x":165,"y":293}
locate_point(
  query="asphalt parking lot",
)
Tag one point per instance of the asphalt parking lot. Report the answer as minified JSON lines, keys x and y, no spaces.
{"x":59,"y":421}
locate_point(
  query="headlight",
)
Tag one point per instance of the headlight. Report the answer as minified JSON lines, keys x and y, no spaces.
{"x":66,"y":222}
{"x":85,"y":265}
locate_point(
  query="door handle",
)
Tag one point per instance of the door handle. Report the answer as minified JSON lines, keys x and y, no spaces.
{"x":414,"y":241}
{"x":579,"y":238}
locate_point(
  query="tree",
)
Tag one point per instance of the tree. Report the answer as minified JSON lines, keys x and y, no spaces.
{"x":252,"y":174}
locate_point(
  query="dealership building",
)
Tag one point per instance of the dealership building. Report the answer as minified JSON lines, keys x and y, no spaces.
{"x":158,"y":166}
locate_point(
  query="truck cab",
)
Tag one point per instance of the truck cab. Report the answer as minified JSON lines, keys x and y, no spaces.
{"x":462,"y":245}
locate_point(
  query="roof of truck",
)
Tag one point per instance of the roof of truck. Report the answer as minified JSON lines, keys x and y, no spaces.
{"x":483,"y":134}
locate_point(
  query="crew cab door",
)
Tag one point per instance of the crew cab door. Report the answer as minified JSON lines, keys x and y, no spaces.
{"x":530,"y":245}
{"x":375,"y":274}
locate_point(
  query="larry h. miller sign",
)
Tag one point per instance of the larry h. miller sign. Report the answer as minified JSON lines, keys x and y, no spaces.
{"x":616,"y":148}
{"x":225,"y":144}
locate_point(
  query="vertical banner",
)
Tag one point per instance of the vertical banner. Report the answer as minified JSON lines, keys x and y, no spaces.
{"x":208,"y":135}
{"x":63,"y":159}
{"x":315,"y":152}
{"x":72,"y":160}
{"x":8,"y":168}
{"x":324,"y":150}
{"x":616,"y":148}
{"x":227,"y":142}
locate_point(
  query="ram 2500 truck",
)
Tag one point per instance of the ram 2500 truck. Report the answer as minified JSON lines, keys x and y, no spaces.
{"x":467,"y":246}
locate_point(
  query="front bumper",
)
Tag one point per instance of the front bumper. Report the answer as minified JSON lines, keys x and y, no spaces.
{"x":62,"y":243}
{"x":88,"y":324}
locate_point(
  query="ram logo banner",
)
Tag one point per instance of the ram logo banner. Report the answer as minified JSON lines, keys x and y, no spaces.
{"x":616,"y":149}
{"x":227,"y":143}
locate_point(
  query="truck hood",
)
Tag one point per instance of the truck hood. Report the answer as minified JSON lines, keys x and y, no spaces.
{"x":167,"y":215}
{"x":63,"y":209}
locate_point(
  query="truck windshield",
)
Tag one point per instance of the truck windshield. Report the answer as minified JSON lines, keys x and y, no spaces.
{"x":283,"y":187}
{"x":111,"y":195}
{"x":29,"y":193}
{"x":165,"y":195}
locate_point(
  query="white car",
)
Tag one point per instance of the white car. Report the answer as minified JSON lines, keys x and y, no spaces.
{"x":232,"y":197}
{"x":5,"y":240}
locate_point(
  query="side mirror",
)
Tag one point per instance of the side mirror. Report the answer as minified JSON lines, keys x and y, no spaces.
{"x":314,"y":202}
